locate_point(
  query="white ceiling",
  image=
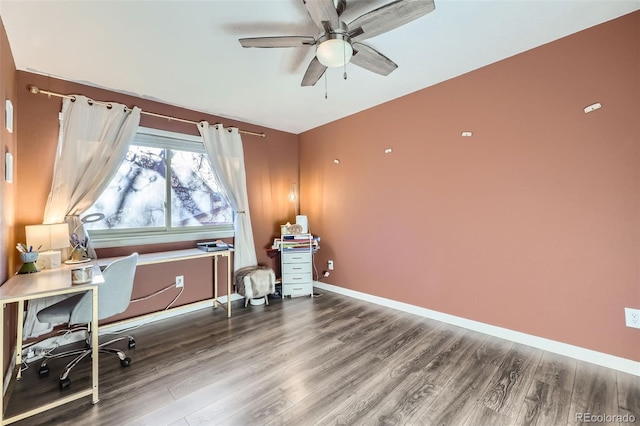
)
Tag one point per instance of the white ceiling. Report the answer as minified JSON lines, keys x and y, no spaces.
{"x":187,"y":53}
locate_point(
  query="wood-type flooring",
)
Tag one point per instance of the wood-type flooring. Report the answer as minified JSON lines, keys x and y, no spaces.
{"x":331,"y":360}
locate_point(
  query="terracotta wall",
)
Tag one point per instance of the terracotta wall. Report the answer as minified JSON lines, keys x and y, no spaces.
{"x":271,"y":163}
{"x":8,"y":254}
{"x":532,"y":224}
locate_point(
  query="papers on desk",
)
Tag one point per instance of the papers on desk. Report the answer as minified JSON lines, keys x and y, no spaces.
{"x":214,"y":246}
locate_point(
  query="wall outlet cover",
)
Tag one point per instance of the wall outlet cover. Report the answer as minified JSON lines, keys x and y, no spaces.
{"x":632,"y":317}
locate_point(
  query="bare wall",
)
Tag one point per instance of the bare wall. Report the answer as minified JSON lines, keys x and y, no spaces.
{"x":533,"y":224}
{"x":8,"y":254}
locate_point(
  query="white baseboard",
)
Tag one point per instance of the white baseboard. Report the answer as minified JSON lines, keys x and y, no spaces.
{"x":582,"y":354}
{"x":169,"y":313}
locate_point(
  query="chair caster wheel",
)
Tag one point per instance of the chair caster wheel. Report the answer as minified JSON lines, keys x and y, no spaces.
{"x":44,"y":371}
{"x":64,"y":383}
{"x":132,"y":343}
{"x":125,"y":362}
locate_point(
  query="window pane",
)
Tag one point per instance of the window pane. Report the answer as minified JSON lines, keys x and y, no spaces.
{"x":135,"y":197}
{"x":196,"y":199}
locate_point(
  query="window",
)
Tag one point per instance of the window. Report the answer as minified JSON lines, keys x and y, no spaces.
{"x":164,"y":191}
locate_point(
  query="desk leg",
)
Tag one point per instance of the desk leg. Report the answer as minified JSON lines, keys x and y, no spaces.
{"x":228,"y":285}
{"x":19,"y":339}
{"x":215,"y":282}
{"x":94,"y":345}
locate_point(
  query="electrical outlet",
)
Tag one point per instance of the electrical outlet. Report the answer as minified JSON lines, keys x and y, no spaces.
{"x":326,"y":274}
{"x":632,"y":317}
{"x":330,"y":265}
{"x":180,"y":281}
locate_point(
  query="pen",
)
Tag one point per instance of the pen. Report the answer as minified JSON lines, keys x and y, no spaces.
{"x":30,"y":249}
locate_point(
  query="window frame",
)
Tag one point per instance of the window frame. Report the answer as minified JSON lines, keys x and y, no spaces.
{"x":146,"y":136}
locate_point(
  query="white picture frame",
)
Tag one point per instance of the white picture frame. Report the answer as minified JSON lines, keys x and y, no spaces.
{"x":8,"y":115}
{"x":8,"y":167}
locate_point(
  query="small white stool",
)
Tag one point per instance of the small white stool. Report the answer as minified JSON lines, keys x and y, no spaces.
{"x":255,"y":284}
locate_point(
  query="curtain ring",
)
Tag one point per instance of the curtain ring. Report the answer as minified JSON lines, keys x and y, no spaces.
{"x":73,"y":98}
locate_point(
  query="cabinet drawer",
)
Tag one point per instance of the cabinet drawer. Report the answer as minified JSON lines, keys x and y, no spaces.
{"x":296,"y":257}
{"x":296,"y":279}
{"x":296,"y":268}
{"x":294,"y":290}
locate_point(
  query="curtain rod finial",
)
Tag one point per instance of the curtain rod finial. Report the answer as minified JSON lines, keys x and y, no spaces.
{"x":34,"y":89}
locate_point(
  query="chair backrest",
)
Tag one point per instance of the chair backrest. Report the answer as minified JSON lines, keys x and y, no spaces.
{"x":114,"y":294}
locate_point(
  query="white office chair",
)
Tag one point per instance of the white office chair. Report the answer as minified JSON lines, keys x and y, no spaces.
{"x":113,"y":298}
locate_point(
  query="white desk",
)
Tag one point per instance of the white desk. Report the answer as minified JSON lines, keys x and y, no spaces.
{"x":186,"y":254}
{"x":49,"y":282}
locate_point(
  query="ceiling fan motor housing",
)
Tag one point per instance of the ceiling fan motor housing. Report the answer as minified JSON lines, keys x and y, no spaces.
{"x":334,"y":47}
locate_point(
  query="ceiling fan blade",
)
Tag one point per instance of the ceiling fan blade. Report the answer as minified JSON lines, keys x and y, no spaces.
{"x":313,"y":73}
{"x":388,"y":17}
{"x":372,"y":60}
{"x":323,"y":11}
{"x":283,"y":41}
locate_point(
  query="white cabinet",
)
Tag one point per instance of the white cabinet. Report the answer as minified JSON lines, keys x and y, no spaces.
{"x":297,"y":265}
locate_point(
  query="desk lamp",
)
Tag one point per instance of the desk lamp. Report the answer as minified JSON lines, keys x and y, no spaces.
{"x":48,"y":238}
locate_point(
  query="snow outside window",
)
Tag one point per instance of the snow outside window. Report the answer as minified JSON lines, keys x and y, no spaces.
{"x":164,"y":191}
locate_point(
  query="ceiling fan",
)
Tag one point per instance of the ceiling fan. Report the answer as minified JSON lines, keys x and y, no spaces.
{"x":339,"y":43}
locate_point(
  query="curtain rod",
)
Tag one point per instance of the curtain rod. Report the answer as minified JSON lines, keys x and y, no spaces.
{"x":35,"y":90}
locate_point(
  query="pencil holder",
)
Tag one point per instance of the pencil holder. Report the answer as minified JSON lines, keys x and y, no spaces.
{"x":29,"y":257}
{"x":29,"y":262}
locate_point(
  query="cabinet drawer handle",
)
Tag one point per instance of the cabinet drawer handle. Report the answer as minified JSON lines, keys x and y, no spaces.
{"x":299,"y":288}
{"x":296,"y":278}
{"x":296,"y":268}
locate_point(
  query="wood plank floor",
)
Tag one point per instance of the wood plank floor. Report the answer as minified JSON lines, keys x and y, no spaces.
{"x":331,"y":360}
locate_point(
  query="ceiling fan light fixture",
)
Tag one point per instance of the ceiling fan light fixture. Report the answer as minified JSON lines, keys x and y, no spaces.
{"x":335,"y":51}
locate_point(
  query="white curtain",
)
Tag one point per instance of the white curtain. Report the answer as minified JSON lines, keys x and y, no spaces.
{"x":93,"y":141}
{"x":224,"y":148}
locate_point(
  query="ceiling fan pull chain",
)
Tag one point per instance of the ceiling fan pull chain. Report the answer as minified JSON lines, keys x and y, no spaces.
{"x":325,"y":84}
{"x":344,"y":57}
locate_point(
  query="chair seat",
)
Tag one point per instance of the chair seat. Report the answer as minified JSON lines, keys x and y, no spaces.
{"x":60,"y":312}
